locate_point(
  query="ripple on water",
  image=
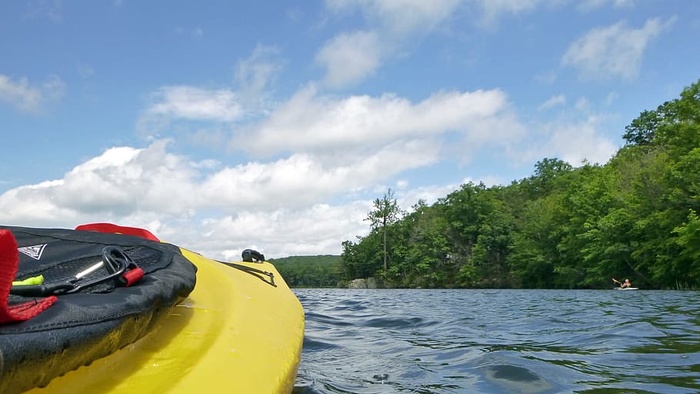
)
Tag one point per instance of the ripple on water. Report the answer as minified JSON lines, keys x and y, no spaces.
{"x":396,"y":322}
{"x":499,"y":341}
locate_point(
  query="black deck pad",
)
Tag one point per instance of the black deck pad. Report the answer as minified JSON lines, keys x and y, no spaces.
{"x":94,"y":322}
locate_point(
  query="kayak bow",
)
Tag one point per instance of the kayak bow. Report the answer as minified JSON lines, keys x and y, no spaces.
{"x":235,"y":333}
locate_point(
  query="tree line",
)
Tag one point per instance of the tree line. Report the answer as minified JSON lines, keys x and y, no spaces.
{"x":309,"y":271}
{"x":634,"y":217}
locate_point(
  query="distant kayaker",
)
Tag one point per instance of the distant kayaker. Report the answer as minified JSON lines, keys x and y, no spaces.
{"x":624,"y":284}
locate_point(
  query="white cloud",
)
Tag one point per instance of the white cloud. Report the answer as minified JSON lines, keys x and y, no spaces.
{"x":122,"y":181}
{"x":318,"y":228}
{"x":279,"y":206}
{"x":180,"y":203}
{"x":399,"y":17}
{"x":304,"y":179}
{"x":188,"y":103}
{"x":184,"y":203}
{"x":349,"y":58}
{"x":580,"y":142}
{"x":20,"y":94}
{"x":588,"y":5}
{"x":32,"y":205}
{"x":408,"y":197}
{"x":27,"y":98}
{"x":406,"y":17}
{"x":573,"y":142}
{"x":493,"y":9}
{"x":329,"y":145}
{"x":613,"y":51}
{"x":313,"y":123}
{"x":403,"y":18}
{"x":193,"y":103}
{"x":552,"y":102}
{"x":256,"y":74}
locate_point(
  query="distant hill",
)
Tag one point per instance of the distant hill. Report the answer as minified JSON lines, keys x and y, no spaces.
{"x":309,"y":271}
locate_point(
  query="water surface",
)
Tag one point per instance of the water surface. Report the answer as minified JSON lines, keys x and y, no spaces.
{"x":500,"y":341}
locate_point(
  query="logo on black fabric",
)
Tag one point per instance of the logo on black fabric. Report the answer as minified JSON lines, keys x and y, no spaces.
{"x":33,"y":251}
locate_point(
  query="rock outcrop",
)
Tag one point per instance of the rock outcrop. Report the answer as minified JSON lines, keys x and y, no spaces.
{"x":368,"y":283}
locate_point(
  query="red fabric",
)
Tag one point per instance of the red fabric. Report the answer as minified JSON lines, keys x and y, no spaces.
{"x":9,"y":261}
{"x":116,"y":229}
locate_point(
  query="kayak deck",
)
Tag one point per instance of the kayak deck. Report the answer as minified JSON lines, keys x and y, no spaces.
{"x":234,"y":333}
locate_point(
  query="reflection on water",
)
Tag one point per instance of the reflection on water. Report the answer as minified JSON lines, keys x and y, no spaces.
{"x":517,"y":379}
{"x":499,"y":341}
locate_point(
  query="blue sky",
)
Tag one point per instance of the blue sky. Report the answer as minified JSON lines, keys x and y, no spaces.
{"x":225,"y":125}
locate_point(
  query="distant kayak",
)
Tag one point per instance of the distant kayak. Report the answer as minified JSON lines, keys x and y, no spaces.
{"x":624,"y":286}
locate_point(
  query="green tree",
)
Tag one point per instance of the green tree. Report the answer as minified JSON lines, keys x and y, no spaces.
{"x":562,"y":227}
{"x":424,"y":254}
{"x":495,"y":240}
{"x":360,"y":259}
{"x":385,"y":213}
{"x":309,"y":271}
{"x":541,"y":223}
{"x":534,"y":245}
{"x":642,"y":130}
{"x":689,"y":242}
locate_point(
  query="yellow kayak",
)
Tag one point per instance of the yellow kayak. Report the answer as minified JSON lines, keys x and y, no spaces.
{"x":235,"y":333}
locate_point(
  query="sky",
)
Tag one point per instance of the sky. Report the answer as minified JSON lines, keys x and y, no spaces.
{"x":273,"y":125}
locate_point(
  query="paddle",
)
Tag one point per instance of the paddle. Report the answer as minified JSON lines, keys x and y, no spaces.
{"x":617,"y":281}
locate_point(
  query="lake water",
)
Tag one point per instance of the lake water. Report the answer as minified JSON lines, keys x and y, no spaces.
{"x":500,"y":341}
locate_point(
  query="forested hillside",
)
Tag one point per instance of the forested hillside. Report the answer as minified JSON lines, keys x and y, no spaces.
{"x":563,"y":227}
{"x":309,"y":271}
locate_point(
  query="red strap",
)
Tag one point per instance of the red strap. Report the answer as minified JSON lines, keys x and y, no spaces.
{"x":116,"y":229}
{"x":9,"y":262}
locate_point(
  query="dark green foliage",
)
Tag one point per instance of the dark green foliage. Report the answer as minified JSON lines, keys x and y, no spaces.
{"x":564,"y":227}
{"x":309,"y":271}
